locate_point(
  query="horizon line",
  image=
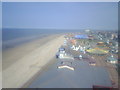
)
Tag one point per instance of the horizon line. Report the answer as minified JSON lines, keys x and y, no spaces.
{"x":59,"y":0}
{"x":61,"y":28}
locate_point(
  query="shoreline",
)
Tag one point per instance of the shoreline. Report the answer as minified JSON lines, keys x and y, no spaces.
{"x":31,"y":62}
{"x":10,"y":44}
{"x":9,"y":58}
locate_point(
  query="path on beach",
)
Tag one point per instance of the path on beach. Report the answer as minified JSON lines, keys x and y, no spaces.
{"x":30,"y":63}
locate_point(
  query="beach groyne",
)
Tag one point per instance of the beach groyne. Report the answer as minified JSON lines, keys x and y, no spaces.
{"x":25,"y":67}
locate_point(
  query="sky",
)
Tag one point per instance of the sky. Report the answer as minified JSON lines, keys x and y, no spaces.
{"x":60,"y":15}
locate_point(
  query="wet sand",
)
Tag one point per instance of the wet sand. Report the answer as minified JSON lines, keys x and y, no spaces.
{"x":23,"y":62}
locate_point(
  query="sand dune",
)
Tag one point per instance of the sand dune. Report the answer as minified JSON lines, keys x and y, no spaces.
{"x":31,"y":61}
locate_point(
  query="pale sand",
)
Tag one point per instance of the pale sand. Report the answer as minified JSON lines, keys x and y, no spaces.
{"x":28,"y":60}
{"x":14,"y":54}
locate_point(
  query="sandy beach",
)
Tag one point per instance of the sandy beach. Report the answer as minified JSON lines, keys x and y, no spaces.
{"x":23,"y":62}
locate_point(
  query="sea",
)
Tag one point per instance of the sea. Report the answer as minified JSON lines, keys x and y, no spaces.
{"x":14,"y":37}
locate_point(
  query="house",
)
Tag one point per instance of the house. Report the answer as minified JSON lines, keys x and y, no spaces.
{"x":112,"y":60}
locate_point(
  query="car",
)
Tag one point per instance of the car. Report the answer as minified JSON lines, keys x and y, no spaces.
{"x":57,"y":55}
{"x":61,"y":49}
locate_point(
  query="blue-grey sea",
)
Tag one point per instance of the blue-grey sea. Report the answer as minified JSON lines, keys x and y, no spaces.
{"x":13,"y":37}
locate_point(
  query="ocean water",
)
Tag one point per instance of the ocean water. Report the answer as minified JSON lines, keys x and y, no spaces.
{"x":14,"y":37}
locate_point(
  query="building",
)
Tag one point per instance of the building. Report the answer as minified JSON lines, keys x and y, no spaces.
{"x":112,"y":60}
{"x":82,"y":36}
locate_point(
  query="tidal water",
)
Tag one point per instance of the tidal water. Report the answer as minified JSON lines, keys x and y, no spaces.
{"x":13,"y":37}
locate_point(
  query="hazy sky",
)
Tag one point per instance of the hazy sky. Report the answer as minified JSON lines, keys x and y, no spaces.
{"x":60,"y":15}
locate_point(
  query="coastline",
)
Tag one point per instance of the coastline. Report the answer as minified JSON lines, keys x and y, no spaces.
{"x":12,"y":55}
{"x":28,"y":59}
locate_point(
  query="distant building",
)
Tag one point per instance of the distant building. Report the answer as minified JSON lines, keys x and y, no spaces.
{"x":112,"y":60}
{"x":87,"y":30}
{"x":112,"y":36}
{"x":91,"y":37}
{"x":81,"y":36}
